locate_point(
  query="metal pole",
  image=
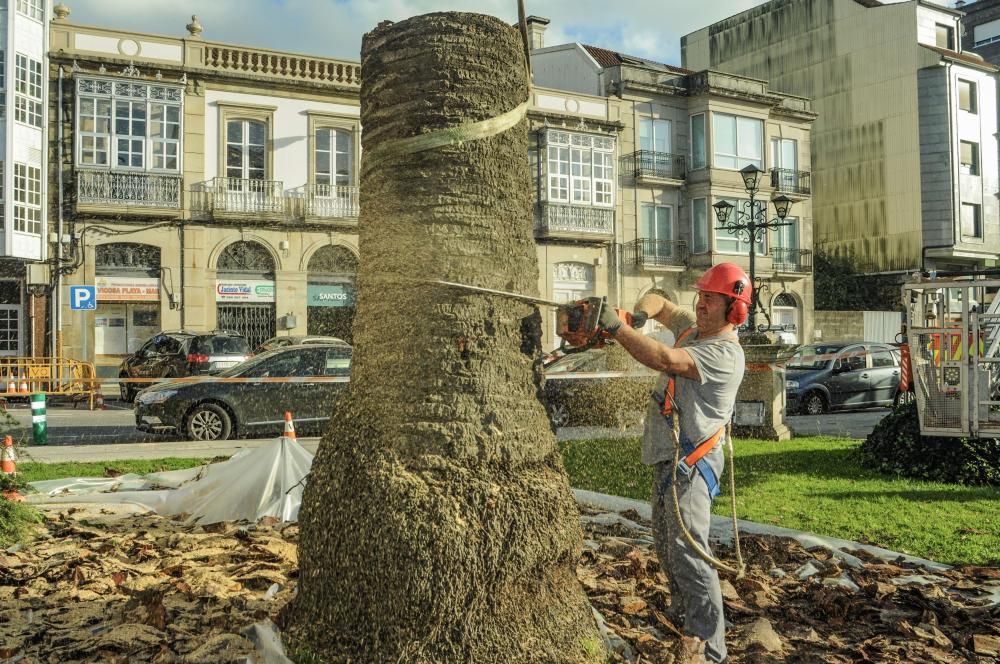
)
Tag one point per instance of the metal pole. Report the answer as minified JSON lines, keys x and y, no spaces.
{"x":752,"y":229}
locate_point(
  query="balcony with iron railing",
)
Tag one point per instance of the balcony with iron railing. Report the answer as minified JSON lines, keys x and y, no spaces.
{"x":649,"y":253}
{"x":574,"y":222}
{"x":646,"y":164}
{"x":224,"y":197}
{"x":121,"y":191}
{"x":337,"y":204}
{"x":788,"y":181}
{"x":791,"y":261}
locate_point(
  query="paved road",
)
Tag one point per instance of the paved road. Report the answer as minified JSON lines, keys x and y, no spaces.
{"x":69,"y":426}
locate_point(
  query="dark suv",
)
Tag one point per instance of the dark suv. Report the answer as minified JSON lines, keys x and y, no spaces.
{"x":182,"y":353}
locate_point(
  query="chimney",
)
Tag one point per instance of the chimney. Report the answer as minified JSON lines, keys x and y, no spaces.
{"x":536,"y":31}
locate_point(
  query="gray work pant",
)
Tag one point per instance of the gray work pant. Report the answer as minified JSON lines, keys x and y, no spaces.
{"x":695,"y":595}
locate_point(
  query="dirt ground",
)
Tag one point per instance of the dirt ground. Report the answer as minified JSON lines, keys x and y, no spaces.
{"x":98,"y":586}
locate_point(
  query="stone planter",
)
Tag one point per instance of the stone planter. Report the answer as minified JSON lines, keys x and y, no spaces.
{"x":760,"y":403}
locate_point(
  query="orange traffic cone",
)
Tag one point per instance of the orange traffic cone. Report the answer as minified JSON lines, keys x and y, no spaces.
{"x":8,"y":458}
{"x":289,"y":427}
{"x":8,"y":466}
{"x":24,"y":384}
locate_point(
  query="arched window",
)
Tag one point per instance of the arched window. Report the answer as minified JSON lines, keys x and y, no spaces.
{"x":127,"y":257}
{"x":246,"y":256}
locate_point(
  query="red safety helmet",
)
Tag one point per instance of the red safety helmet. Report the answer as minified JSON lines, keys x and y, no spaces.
{"x":729,"y":280}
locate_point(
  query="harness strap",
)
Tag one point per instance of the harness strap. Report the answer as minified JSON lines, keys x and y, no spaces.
{"x":694,"y":459}
{"x":667,"y":402}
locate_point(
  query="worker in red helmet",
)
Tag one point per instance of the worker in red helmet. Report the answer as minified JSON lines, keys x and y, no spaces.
{"x":691,"y":404}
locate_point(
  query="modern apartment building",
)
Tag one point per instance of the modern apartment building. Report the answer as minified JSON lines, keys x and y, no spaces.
{"x":23,"y":187}
{"x":674,"y":149}
{"x":981,"y":28}
{"x":200,"y":186}
{"x":904,"y":148}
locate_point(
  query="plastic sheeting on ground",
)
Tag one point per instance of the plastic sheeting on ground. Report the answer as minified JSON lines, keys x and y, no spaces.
{"x":255,"y":483}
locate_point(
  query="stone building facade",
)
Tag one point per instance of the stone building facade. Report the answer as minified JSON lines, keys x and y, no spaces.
{"x":679,"y":139}
{"x":905,"y":141}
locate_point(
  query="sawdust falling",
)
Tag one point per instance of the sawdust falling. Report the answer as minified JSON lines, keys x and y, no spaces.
{"x":438,"y":524}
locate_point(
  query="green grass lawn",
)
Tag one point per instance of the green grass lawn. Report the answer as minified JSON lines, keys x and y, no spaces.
{"x":819,"y":485}
{"x":815,"y":484}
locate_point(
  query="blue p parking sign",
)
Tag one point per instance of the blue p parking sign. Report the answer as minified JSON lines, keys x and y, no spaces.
{"x":82,"y":297}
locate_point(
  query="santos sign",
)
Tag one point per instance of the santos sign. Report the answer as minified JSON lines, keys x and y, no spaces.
{"x":331,"y":295}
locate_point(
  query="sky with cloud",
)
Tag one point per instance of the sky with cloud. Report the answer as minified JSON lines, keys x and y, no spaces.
{"x":333,"y":28}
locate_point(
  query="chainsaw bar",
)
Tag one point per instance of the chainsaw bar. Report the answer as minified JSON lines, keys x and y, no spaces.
{"x":491,"y":291}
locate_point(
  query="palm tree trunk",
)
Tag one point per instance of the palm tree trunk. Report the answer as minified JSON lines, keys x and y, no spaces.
{"x":438,"y":524}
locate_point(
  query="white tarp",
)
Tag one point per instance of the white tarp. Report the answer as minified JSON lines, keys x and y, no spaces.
{"x":265,"y":481}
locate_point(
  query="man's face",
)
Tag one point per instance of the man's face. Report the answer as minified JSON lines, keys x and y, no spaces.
{"x":711,"y":310}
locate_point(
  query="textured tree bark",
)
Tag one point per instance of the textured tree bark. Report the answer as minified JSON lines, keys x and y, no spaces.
{"x":438,"y":524}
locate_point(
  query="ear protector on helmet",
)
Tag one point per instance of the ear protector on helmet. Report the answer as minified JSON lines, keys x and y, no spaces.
{"x":738,"y":310}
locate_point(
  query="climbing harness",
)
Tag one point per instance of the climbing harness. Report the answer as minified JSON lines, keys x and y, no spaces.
{"x":694,"y":460}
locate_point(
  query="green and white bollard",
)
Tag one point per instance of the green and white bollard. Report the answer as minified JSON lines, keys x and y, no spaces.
{"x":39,"y":428}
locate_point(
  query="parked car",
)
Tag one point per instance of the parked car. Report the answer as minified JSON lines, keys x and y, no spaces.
{"x":295,"y":340}
{"x":218,"y":407}
{"x":573,"y":398}
{"x":182,"y":353}
{"x":823,"y":377}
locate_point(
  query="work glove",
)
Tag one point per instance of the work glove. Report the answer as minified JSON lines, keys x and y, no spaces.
{"x":610,"y":322}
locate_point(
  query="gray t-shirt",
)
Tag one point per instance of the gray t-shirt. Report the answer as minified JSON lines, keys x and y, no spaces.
{"x":705,"y":406}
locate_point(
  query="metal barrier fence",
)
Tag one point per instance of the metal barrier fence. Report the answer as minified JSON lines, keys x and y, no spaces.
{"x":52,"y":376}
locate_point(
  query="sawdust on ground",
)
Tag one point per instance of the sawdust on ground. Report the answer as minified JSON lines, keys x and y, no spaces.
{"x":97,"y":587}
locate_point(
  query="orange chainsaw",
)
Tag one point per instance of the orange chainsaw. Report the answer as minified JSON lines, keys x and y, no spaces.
{"x":578,"y":323}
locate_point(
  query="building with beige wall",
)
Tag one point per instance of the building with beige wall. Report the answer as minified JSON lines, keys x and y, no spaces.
{"x":904,"y":148}
{"x":203,"y":186}
{"x":672,"y":164}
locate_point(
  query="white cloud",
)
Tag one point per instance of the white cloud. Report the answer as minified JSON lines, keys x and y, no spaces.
{"x":649,"y":28}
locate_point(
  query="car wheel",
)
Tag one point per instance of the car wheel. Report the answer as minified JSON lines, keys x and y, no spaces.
{"x":903,"y":398}
{"x":559,"y":415}
{"x":209,"y":422}
{"x":127,"y":395}
{"x":813,"y":404}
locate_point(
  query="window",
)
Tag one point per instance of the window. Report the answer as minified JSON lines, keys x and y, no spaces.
{"x":334,"y":157}
{"x":699,"y":225}
{"x":987,"y":33}
{"x":967,"y":96}
{"x":3,"y":82}
{"x":130,"y":133}
{"x":3,"y":198}
{"x":165,"y":135}
{"x":737,"y":243}
{"x":784,"y":154}
{"x":972,"y":224}
{"x":654,"y":135}
{"x":580,"y":169}
{"x":131,"y":126}
{"x":30,"y":8}
{"x":28,"y":91}
{"x":787,"y":237}
{"x":968,"y":158}
{"x":27,"y":199}
{"x":698,"y":150}
{"x":737,"y":141}
{"x":246,"y":149}
{"x":656,"y":223}
{"x":882,"y":358}
{"x":944,"y":36}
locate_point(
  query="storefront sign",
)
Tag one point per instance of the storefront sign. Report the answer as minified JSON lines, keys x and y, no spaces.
{"x":127,"y":289}
{"x":331,"y":295}
{"x":247,"y":290}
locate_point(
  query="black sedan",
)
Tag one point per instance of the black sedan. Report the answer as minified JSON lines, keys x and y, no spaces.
{"x":252,"y":397}
{"x":601,"y":387}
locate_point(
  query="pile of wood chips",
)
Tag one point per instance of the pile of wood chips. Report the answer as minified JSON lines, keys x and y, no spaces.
{"x":102,"y":587}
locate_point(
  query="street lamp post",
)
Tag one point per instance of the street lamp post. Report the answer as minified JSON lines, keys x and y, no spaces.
{"x":755,"y":224}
